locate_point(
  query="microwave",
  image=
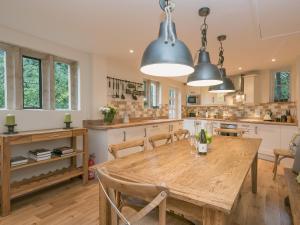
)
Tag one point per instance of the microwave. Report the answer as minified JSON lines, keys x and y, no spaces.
{"x":193,"y":100}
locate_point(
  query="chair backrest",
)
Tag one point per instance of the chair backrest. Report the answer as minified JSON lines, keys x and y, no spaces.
{"x":181,"y":134}
{"x":111,"y":187}
{"x":160,"y":137}
{"x":114,"y":149}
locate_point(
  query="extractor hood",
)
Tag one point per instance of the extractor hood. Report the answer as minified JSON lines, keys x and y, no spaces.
{"x":238,"y":81}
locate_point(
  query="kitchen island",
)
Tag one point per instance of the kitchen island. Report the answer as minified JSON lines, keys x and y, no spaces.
{"x":101,"y":135}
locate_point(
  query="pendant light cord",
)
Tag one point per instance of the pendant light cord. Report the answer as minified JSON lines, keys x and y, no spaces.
{"x":204,"y":29}
{"x":221,"y":55}
{"x":169,"y":33}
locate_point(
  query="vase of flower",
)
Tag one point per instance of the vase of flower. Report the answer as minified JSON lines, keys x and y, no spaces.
{"x":108,"y":113}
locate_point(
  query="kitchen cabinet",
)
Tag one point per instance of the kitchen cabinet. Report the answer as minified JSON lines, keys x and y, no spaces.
{"x":189,"y":125}
{"x":270,"y":135}
{"x":287,"y":133}
{"x":249,"y":89}
{"x":251,"y":130}
{"x":175,"y":126}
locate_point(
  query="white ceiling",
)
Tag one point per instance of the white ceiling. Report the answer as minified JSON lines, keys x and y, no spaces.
{"x":256,"y":30}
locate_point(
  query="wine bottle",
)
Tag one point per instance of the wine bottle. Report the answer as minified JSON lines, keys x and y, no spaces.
{"x":202,"y":146}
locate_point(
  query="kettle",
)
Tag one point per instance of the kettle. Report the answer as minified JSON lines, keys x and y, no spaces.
{"x":268,"y":115}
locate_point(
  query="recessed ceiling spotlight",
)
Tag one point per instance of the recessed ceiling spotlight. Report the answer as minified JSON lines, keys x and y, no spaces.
{"x":273,"y":60}
{"x":131,"y":51}
{"x":240,"y":68}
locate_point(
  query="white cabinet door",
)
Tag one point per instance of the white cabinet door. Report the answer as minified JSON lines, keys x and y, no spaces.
{"x":251,"y":130}
{"x":219,"y":99}
{"x":133,"y":133}
{"x":189,"y":125}
{"x":155,"y":129}
{"x":175,"y":126}
{"x":249,"y":89}
{"x":215,"y":124}
{"x":287,"y":133}
{"x":270,"y":135}
{"x":115,"y":136}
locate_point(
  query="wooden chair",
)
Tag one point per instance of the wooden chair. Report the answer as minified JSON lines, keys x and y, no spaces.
{"x":156,"y":195}
{"x":181,"y":134}
{"x":160,"y":137}
{"x":114,"y":149}
{"x":281,"y":154}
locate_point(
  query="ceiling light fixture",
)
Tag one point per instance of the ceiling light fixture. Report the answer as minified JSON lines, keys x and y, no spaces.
{"x":227,"y":86}
{"x":206,"y":73}
{"x":240,"y":68}
{"x":167,"y":56}
{"x":131,"y":51}
{"x":273,"y":60}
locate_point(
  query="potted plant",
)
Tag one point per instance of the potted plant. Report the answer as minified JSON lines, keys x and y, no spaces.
{"x":109,"y":113}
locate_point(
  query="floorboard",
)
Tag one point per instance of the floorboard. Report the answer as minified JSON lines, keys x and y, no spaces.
{"x":70,"y":203}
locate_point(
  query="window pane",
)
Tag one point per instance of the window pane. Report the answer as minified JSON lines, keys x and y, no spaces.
{"x":32,"y":88}
{"x":62,"y":85}
{"x":2,"y":78}
{"x":282,"y":87}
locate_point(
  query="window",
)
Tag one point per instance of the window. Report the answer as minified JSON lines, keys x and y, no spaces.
{"x":152,"y":94}
{"x":2,"y":79}
{"x":62,"y":85}
{"x":32,"y":83}
{"x":282,"y":86}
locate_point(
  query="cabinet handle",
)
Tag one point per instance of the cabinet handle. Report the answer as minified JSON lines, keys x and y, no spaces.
{"x":145,"y":130}
{"x":256,"y":130}
{"x":155,"y":126}
{"x":124,"y":136}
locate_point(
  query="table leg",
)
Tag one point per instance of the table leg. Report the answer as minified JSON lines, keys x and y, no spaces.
{"x":104,"y":212}
{"x":5,"y":179}
{"x":254,"y":174}
{"x":214,"y":217}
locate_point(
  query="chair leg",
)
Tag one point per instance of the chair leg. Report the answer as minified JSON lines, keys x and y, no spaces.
{"x":275,"y":166}
{"x":162,"y":212}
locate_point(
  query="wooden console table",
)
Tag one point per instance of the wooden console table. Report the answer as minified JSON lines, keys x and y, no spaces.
{"x":16,"y":189}
{"x":294,"y":194}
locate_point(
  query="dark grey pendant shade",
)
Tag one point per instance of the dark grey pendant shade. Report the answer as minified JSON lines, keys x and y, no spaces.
{"x":167,"y":59}
{"x":206,"y":73}
{"x":226,"y":87}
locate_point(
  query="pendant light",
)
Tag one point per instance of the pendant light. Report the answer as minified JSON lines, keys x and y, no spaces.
{"x":206,"y":73}
{"x":227,"y":86}
{"x":167,"y":56}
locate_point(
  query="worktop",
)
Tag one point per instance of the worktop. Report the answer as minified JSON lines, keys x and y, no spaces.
{"x":241,"y":120}
{"x":98,"y":125}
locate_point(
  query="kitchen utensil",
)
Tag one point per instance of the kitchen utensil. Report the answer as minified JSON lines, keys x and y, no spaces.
{"x":123,"y":96}
{"x":117,"y":89}
{"x":109,"y":82}
{"x":134,"y":97}
{"x":113,"y":92}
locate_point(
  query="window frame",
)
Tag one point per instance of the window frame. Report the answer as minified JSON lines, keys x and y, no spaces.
{"x":40,"y":82}
{"x":57,"y":60}
{"x":148,"y":96}
{"x":5,"y":77}
{"x":273,"y":80}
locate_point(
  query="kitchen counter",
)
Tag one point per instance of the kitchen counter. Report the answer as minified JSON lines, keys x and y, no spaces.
{"x":240,"y":120}
{"x":98,"y":125}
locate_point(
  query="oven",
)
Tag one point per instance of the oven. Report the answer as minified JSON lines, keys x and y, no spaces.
{"x":225,"y":126}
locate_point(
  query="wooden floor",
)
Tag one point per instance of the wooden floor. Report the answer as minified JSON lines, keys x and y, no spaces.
{"x":71,"y":203}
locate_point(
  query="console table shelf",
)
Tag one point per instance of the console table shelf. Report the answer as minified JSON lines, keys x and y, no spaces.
{"x":13,"y":190}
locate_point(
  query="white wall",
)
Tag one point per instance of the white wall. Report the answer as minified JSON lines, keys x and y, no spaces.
{"x":42,"y":119}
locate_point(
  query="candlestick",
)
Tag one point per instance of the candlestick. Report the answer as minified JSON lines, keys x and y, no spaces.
{"x":68,"y":118}
{"x":10,"y":120}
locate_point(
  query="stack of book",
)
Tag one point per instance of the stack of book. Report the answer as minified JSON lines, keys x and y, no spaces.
{"x":40,"y":154}
{"x":63,"y":151}
{"x":18,"y":160}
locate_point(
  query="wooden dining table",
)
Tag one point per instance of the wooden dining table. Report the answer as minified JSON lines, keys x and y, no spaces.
{"x":204,"y":188}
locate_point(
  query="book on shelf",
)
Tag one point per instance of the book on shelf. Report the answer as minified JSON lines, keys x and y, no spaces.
{"x":40,"y":152}
{"x":63,"y":151}
{"x":18,"y":160}
{"x":40,"y":158}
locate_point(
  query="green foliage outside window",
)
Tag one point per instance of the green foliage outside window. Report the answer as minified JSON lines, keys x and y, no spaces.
{"x":32,"y":98}
{"x":2,"y":79}
{"x":62,"y":93}
{"x":282,"y":87}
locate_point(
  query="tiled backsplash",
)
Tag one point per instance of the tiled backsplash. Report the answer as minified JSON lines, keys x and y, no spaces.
{"x":135,"y":109}
{"x":243,"y":110}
